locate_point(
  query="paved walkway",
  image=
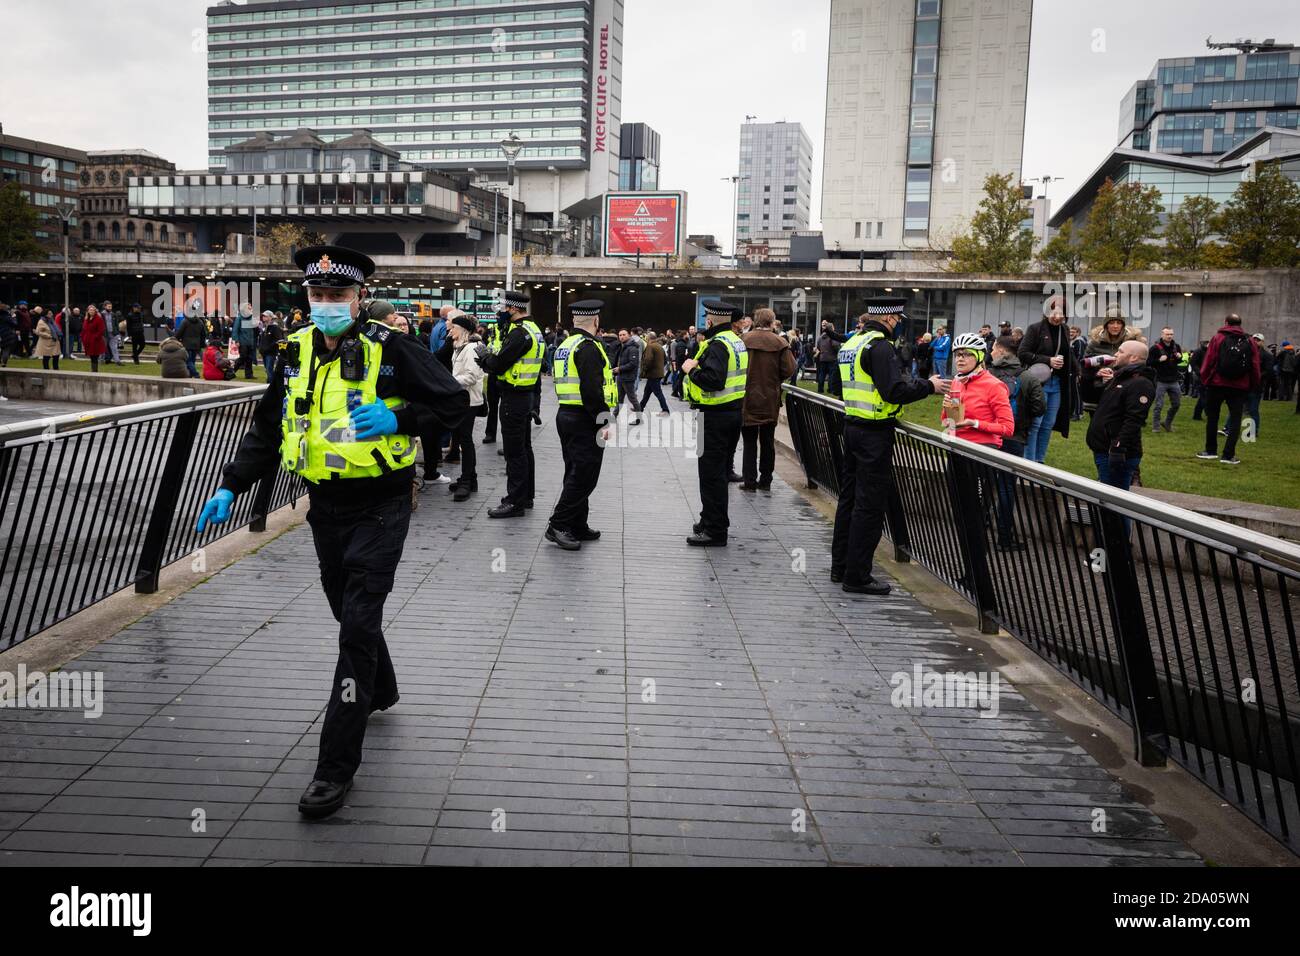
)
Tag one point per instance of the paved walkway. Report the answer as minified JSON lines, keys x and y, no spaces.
{"x":637,"y":703}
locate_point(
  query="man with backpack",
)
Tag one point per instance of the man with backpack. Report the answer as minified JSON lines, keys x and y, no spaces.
{"x":1229,"y":373}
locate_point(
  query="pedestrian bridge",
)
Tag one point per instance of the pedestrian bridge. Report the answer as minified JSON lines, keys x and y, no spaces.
{"x":638,"y":702}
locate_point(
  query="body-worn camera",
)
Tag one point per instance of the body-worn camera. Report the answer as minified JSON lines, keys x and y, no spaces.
{"x":352,"y":361}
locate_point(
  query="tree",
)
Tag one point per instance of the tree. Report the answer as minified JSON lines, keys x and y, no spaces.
{"x":282,"y":239}
{"x":1188,"y":231}
{"x":997,"y":240}
{"x":1120,"y":224}
{"x":18,"y":224}
{"x":1260,"y":224}
{"x":1061,"y":253}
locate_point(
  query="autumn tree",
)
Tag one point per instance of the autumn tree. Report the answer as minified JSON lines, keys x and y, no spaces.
{"x":997,"y":240}
{"x":1260,"y":224}
{"x":1121,"y":223}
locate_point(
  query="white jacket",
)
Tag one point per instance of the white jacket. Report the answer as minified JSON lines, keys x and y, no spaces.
{"x":466,"y":370}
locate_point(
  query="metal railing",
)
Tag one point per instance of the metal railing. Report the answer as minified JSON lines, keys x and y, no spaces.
{"x":1182,"y":625}
{"x":94,"y":503}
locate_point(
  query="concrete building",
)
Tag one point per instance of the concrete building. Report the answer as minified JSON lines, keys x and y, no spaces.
{"x":355,"y":191}
{"x":775,"y":189}
{"x":925,"y":98}
{"x":441,"y":83}
{"x":47,"y":176}
{"x":1206,"y":105}
{"x":638,"y":157}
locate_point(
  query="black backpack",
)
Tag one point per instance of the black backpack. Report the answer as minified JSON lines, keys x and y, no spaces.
{"x":1234,"y":356}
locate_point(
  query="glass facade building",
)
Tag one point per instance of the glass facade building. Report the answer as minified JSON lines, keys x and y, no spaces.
{"x":638,"y":158}
{"x":1206,"y":105}
{"x":775,"y":189}
{"x":442,"y":81}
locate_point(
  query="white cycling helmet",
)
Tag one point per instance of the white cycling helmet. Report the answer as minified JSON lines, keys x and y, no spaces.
{"x":970,"y":341}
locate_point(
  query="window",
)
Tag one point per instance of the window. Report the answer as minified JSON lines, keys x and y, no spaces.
{"x":148,"y":232}
{"x":927,"y":33}
{"x":130,"y":232}
{"x":162,"y":233}
{"x":100,"y":232}
{"x":117,"y":231}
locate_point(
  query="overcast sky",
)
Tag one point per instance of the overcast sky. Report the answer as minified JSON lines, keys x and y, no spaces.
{"x":105,"y":74}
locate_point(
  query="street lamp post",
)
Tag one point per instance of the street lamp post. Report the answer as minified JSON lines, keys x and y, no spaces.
{"x":66,"y":209}
{"x":255,"y":188}
{"x":511,"y":148}
{"x":735,"y":213}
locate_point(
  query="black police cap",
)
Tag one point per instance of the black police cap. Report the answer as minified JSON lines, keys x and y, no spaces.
{"x":717,"y":309}
{"x":587,"y":308}
{"x":333,"y":267}
{"x":886,"y":305}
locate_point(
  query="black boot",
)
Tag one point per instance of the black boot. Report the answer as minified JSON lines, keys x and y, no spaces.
{"x":321,"y":798}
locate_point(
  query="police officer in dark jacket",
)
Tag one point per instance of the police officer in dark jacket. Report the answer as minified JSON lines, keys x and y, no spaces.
{"x":875,"y":390}
{"x":344,"y":400}
{"x":715,"y":384}
{"x":1115,"y":433}
{"x":515,"y":371}
{"x":587,"y":396}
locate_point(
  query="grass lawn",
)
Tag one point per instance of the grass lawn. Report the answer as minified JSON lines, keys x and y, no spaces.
{"x":148,"y":366}
{"x":1269,"y":472}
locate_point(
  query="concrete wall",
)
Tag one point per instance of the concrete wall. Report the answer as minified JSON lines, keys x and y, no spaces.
{"x":100,"y":388}
{"x":1024,"y":309}
{"x":1275,"y":312}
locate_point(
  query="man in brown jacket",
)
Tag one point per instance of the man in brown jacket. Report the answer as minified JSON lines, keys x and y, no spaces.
{"x":770,"y":364}
{"x":652,"y":370}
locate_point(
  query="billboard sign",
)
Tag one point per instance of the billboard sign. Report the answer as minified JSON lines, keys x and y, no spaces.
{"x":644,"y":223}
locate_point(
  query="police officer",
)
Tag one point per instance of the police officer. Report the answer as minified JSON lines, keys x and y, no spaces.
{"x":345,"y":397}
{"x":587,"y":395}
{"x":715,"y":384}
{"x":516,"y":370}
{"x":875,"y":390}
{"x":492,"y":394}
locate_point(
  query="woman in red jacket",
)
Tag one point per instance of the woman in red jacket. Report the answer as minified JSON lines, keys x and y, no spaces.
{"x":214,"y":363}
{"x":985,"y":403}
{"x":93,"y":341}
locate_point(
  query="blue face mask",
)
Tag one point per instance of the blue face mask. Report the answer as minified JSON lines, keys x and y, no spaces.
{"x":332,"y":318}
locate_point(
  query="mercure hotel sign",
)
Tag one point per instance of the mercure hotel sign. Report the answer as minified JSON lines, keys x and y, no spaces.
{"x":602,"y":91}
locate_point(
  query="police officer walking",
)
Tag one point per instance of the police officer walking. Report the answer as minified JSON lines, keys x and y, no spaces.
{"x":715,"y":384}
{"x":875,"y":391}
{"x":516,"y":370}
{"x":345,"y":398}
{"x":587,"y":395}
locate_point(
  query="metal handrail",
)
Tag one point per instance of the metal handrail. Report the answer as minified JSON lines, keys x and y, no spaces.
{"x":59,"y":424}
{"x":1208,"y":529}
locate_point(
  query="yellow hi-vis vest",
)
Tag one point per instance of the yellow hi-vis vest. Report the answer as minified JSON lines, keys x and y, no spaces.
{"x":567,"y":387}
{"x":861,"y":399}
{"x":494,"y":338}
{"x":526,"y":372}
{"x":733,"y":389}
{"x":319,"y":445}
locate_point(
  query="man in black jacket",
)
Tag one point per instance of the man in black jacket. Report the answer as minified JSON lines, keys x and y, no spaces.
{"x":1048,"y":343}
{"x":1166,"y":357}
{"x":1115,"y":435}
{"x":626,"y":369}
{"x":867,"y":478}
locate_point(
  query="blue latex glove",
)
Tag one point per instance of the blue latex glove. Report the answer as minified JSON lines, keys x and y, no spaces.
{"x":374,"y":421}
{"x":216,"y":511}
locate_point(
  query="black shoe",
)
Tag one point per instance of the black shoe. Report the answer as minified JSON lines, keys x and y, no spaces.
{"x":527,"y":505}
{"x":565,"y":540}
{"x":837,"y":577}
{"x":507,"y":511}
{"x":463,"y":492}
{"x":537,"y":419}
{"x":735,"y":478}
{"x":705,"y":540}
{"x":878,"y":588}
{"x":386,"y":705}
{"x":321,"y":798}
{"x":501,"y":451}
{"x":587,"y":534}
{"x":698,"y":527}
{"x":749,"y":486}
{"x":489,"y":439}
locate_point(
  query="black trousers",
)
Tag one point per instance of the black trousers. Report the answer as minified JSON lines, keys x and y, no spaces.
{"x":719,"y":434}
{"x":137,"y":346}
{"x":582,"y":457}
{"x":1215,"y":398}
{"x":627,"y":392}
{"x":759,"y":456}
{"x":462,"y":440}
{"x":431,"y":440}
{"x":655,"y":387}
{"x":866,"y":482}
{"x":492,"y":396}
{"x":517,"y":436}
{"x":359,"y":549}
